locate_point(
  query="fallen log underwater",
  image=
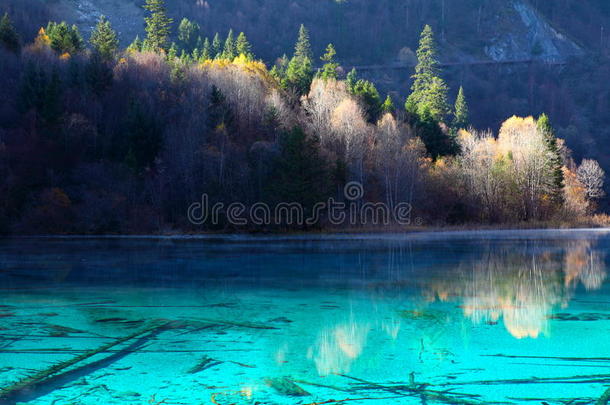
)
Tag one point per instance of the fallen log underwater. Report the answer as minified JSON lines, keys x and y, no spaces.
{"x":45,"y":381}
{"x":422,"y":391}
{"x":604,"y":399}
{"x":30,"y":386}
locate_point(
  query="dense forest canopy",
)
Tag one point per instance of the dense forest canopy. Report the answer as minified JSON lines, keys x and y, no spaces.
{"x":96,"y":137}
{"x":380,"y":33}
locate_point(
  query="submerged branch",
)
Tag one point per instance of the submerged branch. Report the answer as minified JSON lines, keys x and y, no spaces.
{"x":421,"y":390}
{"x":603,"y":400}
{"x":28,"y":383}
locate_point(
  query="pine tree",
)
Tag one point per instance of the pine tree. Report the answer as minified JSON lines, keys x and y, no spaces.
{"x":172,"y":53}
{"x":187,"y":33}
{"x":243,"y":47}
{"x":299,"y":72}
{"x":556,"y":180}
{"x":388,"y":106}
{"x":104,"y":39}
{"x":185,"y":57}
{"x":63,"y":38}
{"x":8,"y":35}
{"x":205,"y":51}
{"x":278,"y":71}
{"x":436,"y":141}
{"x":228,"y":52}
{"x":460,"y":115}
{"x":136,"y":45}
{"x":329,"y":70}
{"x":351,"y":80}
{"x":158,"y":25}
{"x":368,"y":94}
{"x":302,"y":48}
{"x":429,"y":91}
{"x":216,"y":47}
{"x":435,"y":99}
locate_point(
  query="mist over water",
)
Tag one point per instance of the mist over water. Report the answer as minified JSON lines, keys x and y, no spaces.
{"x":511,"y":317}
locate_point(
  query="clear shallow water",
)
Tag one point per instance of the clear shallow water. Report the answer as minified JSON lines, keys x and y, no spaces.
{"x":457,"y":318}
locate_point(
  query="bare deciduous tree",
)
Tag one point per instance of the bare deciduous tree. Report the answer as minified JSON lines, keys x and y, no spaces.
{"x":351,"y":130}
{"x":319,"y":104}
{"x":591,"y":175}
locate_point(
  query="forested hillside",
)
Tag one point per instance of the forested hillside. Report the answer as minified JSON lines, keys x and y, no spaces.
{"x":96,"y":136}
{"x":363,"y":31}
{"x":384,"y":32}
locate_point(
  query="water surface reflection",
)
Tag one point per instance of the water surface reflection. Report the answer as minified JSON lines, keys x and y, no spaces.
{"x":469,"y":318}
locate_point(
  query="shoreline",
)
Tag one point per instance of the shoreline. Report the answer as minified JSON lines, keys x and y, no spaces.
{"x":359,"y":233}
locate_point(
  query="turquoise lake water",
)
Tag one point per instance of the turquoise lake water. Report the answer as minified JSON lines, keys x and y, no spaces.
{"x":519,"y":317}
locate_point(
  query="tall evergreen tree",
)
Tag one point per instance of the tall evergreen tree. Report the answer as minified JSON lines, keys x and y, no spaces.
{"x":435,"y":99}
{"x":278,"y":71}
{"x":205,"y":52}
{"x":388,"y":106}
{"x":368,"y":94}
{"x":460,"y":114}
{"x":351,"y":79}
{"x":228,"y":51}
{"x":556,"y":161}
{"x":104,"y":39}
{"x":243,"y":47}
{"x":437,"y":142}
{"x":136,"y":45}
{"x":299,"y":72}
{"x":216,"y":47}
{"x":429,"y":90}
{"x":329,"y":70}
{"x":199,"y":42}
{"x":187,"y":33}
{"x":172,"y":52}
{"x":63,"y":38}
{"x":158,"y":25}
{"x":8,"y":35}
{"x":302,"y":48}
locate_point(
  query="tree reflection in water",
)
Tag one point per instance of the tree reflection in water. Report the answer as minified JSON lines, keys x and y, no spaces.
{"x":517,"y":286}
{"x":521,"y":288}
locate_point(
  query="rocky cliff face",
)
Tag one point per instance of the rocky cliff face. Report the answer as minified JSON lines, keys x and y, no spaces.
{"x":527,"y":35}
{"x":126,"y":15}
{"x":362,"y":30}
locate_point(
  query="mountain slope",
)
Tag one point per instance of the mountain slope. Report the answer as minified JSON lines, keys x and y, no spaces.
{"x":380,"y":32}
